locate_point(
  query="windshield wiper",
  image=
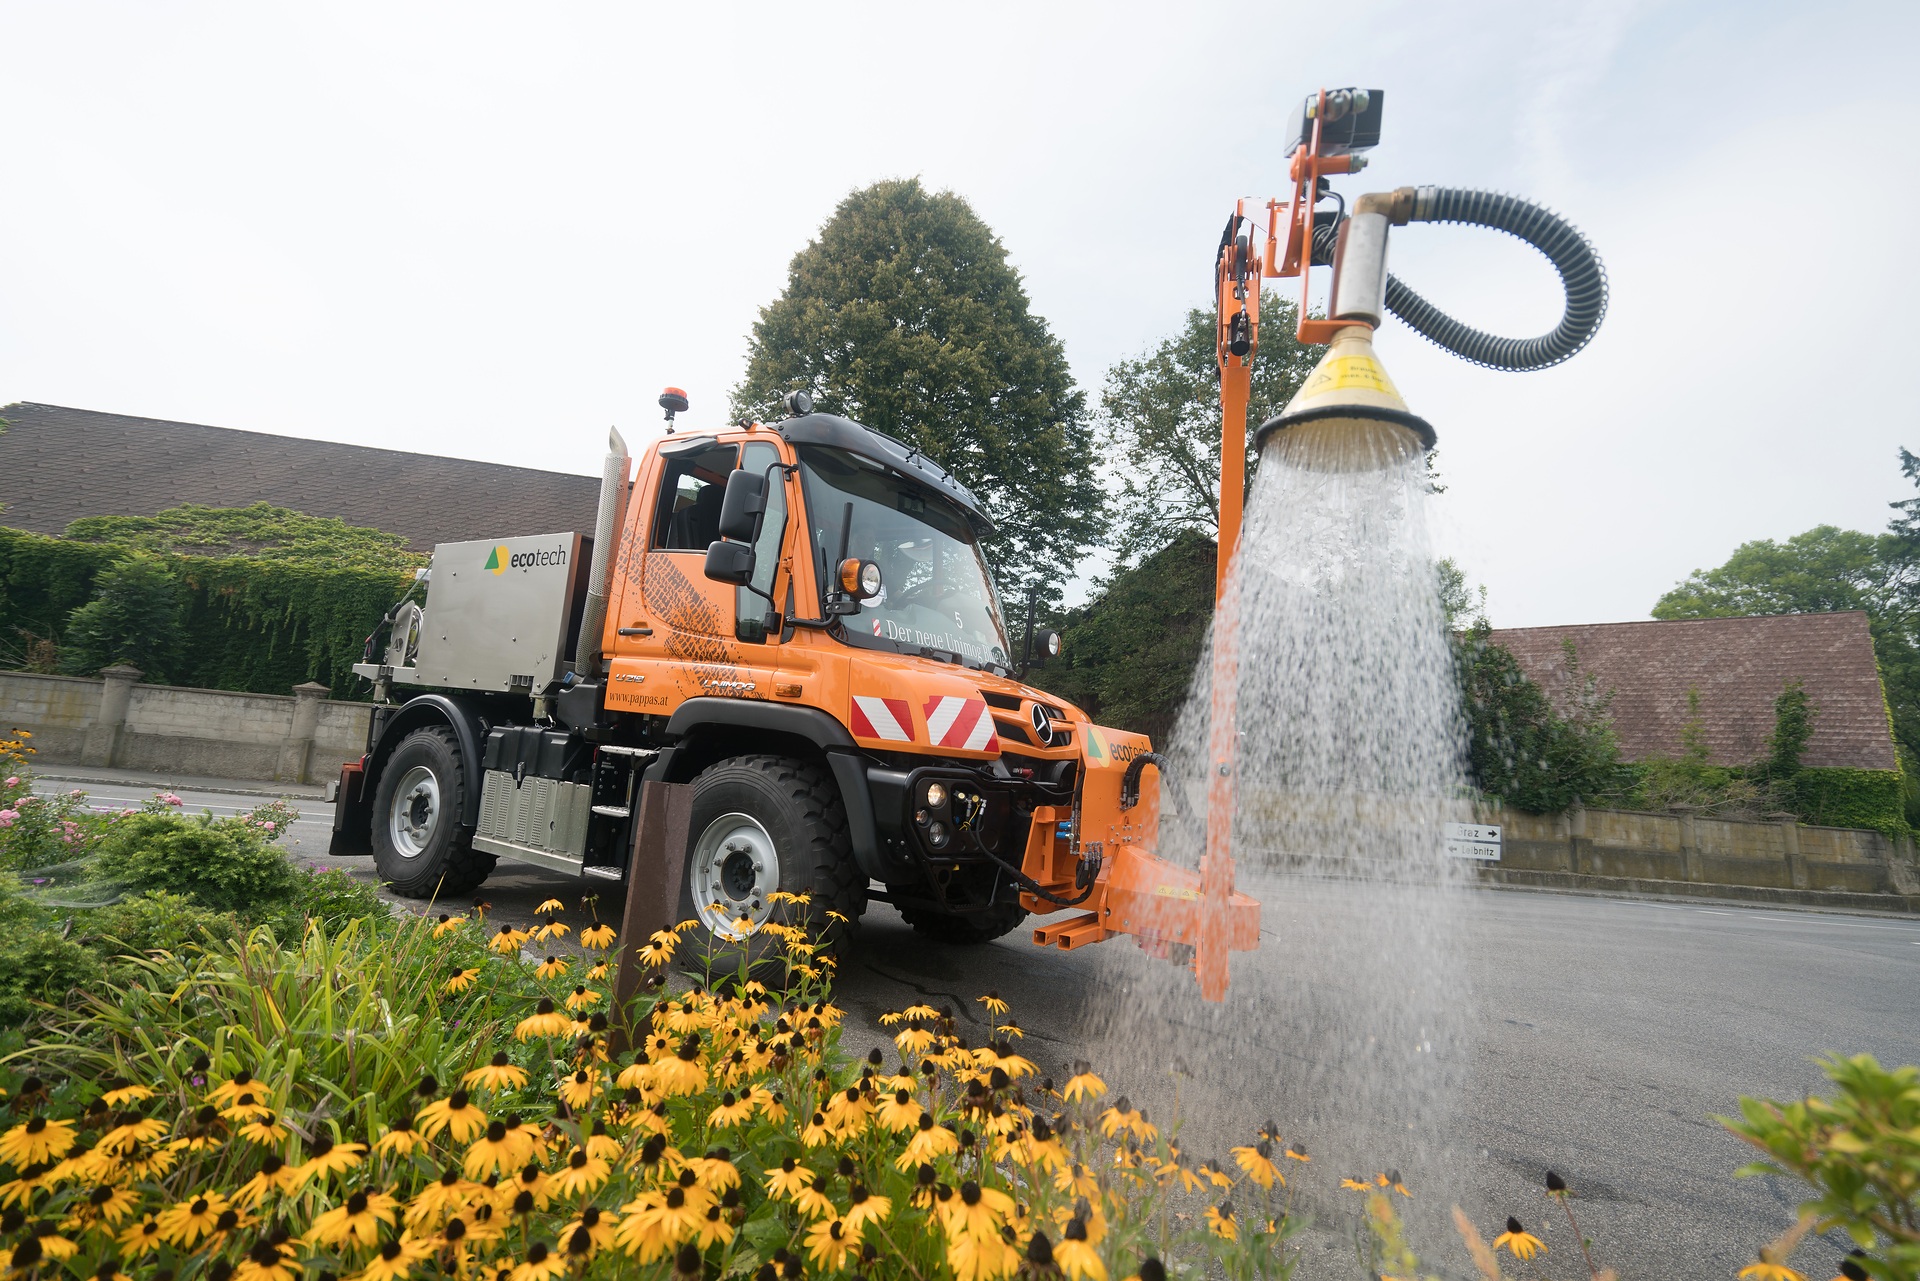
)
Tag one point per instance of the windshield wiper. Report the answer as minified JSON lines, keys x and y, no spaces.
{"x":944,"y":655}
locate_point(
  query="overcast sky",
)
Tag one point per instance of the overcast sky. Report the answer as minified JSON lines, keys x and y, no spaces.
{"x":492,"y":231}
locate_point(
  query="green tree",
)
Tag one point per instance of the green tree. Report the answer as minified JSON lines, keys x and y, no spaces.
{"x":1519,"y":748}
{"x":1160,"y":425}
{"x":262,"y":531}
{"x":1821,"y":571}
{"x":1128,"y":656}
{"x":134,"y":617}
{"x":904,"y":315}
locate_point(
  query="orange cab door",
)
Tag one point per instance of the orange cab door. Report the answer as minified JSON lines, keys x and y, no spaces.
{"x":690,"y":636}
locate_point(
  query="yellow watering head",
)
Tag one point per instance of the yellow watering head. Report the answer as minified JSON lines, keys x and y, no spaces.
{"x":1347,"y":416}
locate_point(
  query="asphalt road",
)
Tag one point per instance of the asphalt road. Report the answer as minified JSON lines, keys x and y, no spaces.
{"x":1602,"y":1037}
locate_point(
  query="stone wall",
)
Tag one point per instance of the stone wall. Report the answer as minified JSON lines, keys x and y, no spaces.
{"x":114,"y":720}
{"x":1687,"y":848}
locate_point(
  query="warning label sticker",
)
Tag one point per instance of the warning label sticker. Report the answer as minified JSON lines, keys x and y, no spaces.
{"x":1350,"y":373}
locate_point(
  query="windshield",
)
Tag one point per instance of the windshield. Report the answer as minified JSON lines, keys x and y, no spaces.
{"x":935,"y":590}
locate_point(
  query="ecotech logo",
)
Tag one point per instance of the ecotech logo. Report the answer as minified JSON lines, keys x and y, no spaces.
{"x":501,"y":559}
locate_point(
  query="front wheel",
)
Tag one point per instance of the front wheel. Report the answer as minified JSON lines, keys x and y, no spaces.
{"x":766,"y":824}
{"x":419,"y":847}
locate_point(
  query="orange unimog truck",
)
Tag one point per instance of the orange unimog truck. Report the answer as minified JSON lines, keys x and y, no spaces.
{"x":797,"y":620}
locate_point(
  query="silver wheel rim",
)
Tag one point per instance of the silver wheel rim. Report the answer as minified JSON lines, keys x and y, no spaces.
{"x":414,"y":812}
{"x":735,"y":867}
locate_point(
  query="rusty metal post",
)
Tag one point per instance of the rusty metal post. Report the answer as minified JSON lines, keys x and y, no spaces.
{"x":655,"y":868}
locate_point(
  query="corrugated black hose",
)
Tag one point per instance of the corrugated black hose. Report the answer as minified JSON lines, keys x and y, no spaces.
{"x":1581,"y":274}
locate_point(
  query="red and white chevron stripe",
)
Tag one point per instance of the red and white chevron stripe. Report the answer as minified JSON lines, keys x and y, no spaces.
{"x":962,"y":723}
{"x":885,"y":718}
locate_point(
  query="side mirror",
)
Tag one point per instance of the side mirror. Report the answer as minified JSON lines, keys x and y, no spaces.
{"x":730,"y":562}
{"x":740,"y":508}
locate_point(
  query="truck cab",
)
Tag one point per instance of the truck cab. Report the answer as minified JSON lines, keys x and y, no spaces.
{"x":797,"y":620}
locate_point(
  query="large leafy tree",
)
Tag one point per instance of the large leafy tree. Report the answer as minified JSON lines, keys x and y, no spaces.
{"x":904,"y":315}
{"x":1160,"y":424}
{"x":1826,"y":569}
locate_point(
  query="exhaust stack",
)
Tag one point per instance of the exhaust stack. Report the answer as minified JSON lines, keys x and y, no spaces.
{"x":593,"y":619}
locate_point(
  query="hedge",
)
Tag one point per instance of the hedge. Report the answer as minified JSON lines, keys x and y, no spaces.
{"x":1870,"y":798}
{"x":261,"y":626}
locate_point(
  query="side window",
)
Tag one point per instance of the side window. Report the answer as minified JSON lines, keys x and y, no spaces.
{"x":751,"y":611}
{"x":687,"y":516}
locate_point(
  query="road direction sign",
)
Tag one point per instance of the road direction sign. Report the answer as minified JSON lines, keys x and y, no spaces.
{"x":1473,"y":840}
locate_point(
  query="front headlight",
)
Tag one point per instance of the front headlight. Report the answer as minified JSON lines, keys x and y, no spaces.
{"x":869,"y":579}
{"x":936,"y":795}
{"x":937,"y":835}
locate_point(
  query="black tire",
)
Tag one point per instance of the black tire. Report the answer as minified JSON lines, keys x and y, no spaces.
{"x":975,"y":927}
{"x":425,"y":852}
{"x":801,"y":847}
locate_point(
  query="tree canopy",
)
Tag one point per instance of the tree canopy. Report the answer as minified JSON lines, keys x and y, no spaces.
{"x":1160,"y":425}
{"x":904,"y":315}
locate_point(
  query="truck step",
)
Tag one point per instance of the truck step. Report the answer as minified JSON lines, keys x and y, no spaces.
{"x":612,"y":749}
{"x":613,"y":811}
{"x":608,"y":873}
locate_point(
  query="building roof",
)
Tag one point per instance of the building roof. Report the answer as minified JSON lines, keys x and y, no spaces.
{"x":1739,"y":665}
{"x":59,"y":464}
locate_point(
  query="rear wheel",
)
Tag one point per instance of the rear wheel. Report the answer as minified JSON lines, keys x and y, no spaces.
{"x":974,"y":927}
{"x":766,"y":824}
{"x":419,"y":847}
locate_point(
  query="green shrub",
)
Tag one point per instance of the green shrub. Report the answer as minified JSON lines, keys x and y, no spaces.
{"x":225,"y":864}
{"x":134,"y":617}
{"x":40,"y":831}
{"x":155,"y":921}
{"x":1870,"y":798}
{"x":331,"y":898}
{"x":36,"y":965}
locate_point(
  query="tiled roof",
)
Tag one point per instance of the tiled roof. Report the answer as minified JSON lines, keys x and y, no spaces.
{"x":59,"y":464}
{"x":1739,"y":665}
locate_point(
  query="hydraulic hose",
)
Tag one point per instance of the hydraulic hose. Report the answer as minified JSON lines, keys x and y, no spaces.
{"x":1581,"y":275}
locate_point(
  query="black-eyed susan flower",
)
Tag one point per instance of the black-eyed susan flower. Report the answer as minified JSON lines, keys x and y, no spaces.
{"x":864,"y":1207}
{"x":545,"y":1021}
{"x":185,"y":1222}
{"x":1220,"y":1221}
{"x":460,"y":980}
{"x":246,"y":1106}
{"x":491,"y":1153}
{"x":1524,"y":1245}
{"x":441,"y":1198}
{"x":498,"y":1073}
{"x":325,"y":1157}
{"x":1297,"y":1151}
{"x":579,"y":1090}
{"x":787,"y":1179}
{"x":241,"y":1082}
{"x":598,"y":936}
{"x":275,"y":1177}
{"x":552,"y":968}
{"x":658,"y":949}
{"x":532,"y":1189}
{"x":268,"y":1259}
{"x":914,"y":1040}
{"x":355,"y":1221}
{"x":1075,"y":1255}
{"x":582,"y":1175}
{"x":993,"y":1003}
{"x":35,"y":1140}
{"x":507,"y":940}
{"x":107,"y":1203}
{"x":682,"y":1073}
{"x":400,"y":1139}
{"x":599,"y":971}
{"x":981,"y":1258}
{"x":976,"y":1211}
{"x":456,"y":1114}
{"x":264,"y":1129}
{"x":1083,"y":1084}
{"x":1258,"y":1164}
{"x":847,"y":1110}
{"x":552,"y":930}
{"x":447,"y":924}
{"x":141,"y":1237}
{"x":732,"y":1110}
{"x":582,"y":998}
{"x":52,"y":1244}
{"x":829,"y":1242}
{"x":1357,"y":1185}
{"x":590,"y":1232}
{"x":898,"y":1112}
{"x":1765,"y":1270}
{"x":1077,"y":1179}
{"x":121,"y":1095}
{"x":396,"y":1260}
{"x":929,"y":1143}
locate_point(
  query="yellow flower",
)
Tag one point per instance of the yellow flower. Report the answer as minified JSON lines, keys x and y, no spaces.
{"x":578,"y":1090}
{"x":401,"y":1139}
{"x":864,"y":1207}
{"x":1765,"y":1271}
{"x":107,"y":1203}
{"x":582,"y":998}
{"x":447,"y":924}
{"x":327,"y":1157}
{"x":545,"y":1021}
{"x":1254,"y":1161}
{"x":598,"y":937}
{"x":788,"y":1179}
{"x":976,"y":1212}
{"x":549,"y":905}
{"x":981,"y":1258}
{"x":444,"y":1195}
{"x":599,"y":971}
{"x":125,"y":1094}
{"x":394,"y":1261}
{"x":1084,"y":1085}
{"x":275,"y":1176}
{"x":830,"y":1241}
{"x":268,"y":1260}
{"x":589,"y":1233}
{"x":228,"y":1091}
{"x":35,"y":1140}
{"x":541,"y":1264}
{"x":1077,"y":1179}
{"x":460,"y":980}
{"x":1525,"y":1245}
{"x":1297,"y":1152}
{"x":1220,"y":1221}
{"x":1357,"y":1185}
{"x":183,"y":1224}
{"x":141,"y":1237}
{"x":898,"y":1112}
{"x":913,"y":1040}
{"x":930,"y":1142}
{"x":583,"y":1173}
{"x":658,"y":949}
{"x":492,"y":1151}
{"x":993,"y":1003}
{"x":264,"y":1130}
{"x":132,"y":1131}
{"x":551,"y":930}
{"x":551,"y":968}
{"x":508,"y":940}
{"x":455,"y":1114}
{"x":1076,"y":1256}
{"x":731,"y":1112}
{"x":681,"y":1073}
{"x":848,"y":1109}
{"x":498,"y":1073}
{"x":356,"y":1221}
